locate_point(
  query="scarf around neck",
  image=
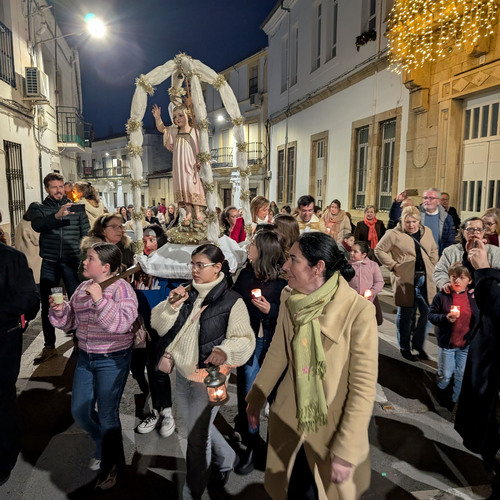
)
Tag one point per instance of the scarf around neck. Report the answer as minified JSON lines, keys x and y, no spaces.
{"x":372,"y":234}
{"x":310,"y":361}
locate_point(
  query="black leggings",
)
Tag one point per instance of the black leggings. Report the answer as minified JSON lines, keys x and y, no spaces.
{"x":302,"y":485}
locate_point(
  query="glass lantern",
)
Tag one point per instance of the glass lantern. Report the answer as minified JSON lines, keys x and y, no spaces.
{"x":216,"y":386}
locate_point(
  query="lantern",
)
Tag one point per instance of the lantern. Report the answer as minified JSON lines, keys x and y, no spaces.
{"x":216,"y":386}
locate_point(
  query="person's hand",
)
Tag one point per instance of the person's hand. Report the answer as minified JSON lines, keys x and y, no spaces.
{"x":182,"y":296}
{"x":156,"y":112}
{"x":217,"y":357}
{"x":95,"y":292}
{"x":64,"y":210}
{"x":401,"y":196}
{"x":170,"y":147}
{"x":261,"y":304}
{"x":54,"y":306}
{"x":253,"y":416}
{"x":446,"y":288}
{"x":477,"y":254}
{"x":395,"y":269}
{"x":341,"y":470}
{"x":451,"y":317}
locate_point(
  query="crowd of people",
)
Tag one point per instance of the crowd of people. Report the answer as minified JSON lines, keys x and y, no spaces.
{"x":300,"y":319}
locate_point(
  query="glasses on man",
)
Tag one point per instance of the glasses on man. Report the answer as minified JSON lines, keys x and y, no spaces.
{"x":114,"y":226}
{"x":199,"y":266}
{"x":430,"y":198}
{"x":472,"y":230}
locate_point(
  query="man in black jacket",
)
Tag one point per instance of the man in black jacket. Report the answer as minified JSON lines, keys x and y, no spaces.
{"x":61,"y":230}
{"x":19,"y":302}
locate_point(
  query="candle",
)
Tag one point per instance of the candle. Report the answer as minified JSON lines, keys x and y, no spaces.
{"x":455,"y":310}
{"x":367,"y":294}
{"x":256,"y":293}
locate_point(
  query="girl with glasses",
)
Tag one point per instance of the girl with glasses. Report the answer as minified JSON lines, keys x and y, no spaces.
{"x":209,"y":324}
{"x":491,"y":225}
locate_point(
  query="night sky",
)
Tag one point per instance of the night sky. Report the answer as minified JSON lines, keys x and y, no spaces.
{"x":143,"y":34}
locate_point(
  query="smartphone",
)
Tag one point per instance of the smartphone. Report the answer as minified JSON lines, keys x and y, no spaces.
{"x":77,"y":207}
{"x":411,"y":192}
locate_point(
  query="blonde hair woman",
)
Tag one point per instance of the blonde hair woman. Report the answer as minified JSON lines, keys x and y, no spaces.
{"x":491,"y":219}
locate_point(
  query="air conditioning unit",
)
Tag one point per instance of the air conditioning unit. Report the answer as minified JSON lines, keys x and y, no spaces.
{"x":255,"y":100}
{"x":36,"y":84}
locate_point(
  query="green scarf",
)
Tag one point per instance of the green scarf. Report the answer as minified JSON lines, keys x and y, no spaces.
{"x":310,"y":363}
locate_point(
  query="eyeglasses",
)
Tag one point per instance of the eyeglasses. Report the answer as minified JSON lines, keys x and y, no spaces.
{"x":430,"y":198}
{"x":472,"y":230}
{"x":199,"y":266}
{"x":489,"y":224}
{"x":114,"y":226}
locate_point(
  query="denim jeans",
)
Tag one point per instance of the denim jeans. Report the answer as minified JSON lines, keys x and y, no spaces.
{"x":245,"y":377}
{"x":101,"y":378}
{"x":50,"y":276}
{"x":205,"y":444}
{"x":404,"y":318}
{"x":451,"y":362}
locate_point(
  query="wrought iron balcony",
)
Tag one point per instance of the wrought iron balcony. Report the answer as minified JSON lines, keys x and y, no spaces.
{"x":99,"y":172}
{"x":70,"y":128}
{"x":223,"y":157}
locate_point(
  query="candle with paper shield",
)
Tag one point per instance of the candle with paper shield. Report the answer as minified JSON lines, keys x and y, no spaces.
{"x":256,"y":293}
{"x":368,"y":294}
{"x":455,"y":310}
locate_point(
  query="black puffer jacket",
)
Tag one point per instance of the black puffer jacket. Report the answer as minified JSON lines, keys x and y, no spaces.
{"x":59,"y":238}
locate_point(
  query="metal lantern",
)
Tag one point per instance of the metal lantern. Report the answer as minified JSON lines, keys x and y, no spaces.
{"x":216,"y":386}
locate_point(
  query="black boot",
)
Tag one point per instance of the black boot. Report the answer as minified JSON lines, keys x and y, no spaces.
{"x":406,"y":353}
{"x":245,"y":465}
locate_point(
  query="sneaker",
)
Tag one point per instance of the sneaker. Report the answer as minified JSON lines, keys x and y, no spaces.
{"x":149,"y":423}
{"x":108,"y":481}
{"x":47,"y":353}
{"x":167,"y":427}
{"x":95,"y":464}
{"x":422,"y":355}
{"x":406,"y":353}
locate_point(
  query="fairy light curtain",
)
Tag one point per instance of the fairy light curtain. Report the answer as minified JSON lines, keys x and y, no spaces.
{"x":422,"y":31}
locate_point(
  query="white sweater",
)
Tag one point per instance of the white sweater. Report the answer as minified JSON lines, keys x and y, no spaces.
{"x":238,"y":345}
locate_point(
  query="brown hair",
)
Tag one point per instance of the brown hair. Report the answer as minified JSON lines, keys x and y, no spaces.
{"x":267,"y":266}
{"x":53,"y":176}
{"x":256,"y":204}
{"x":108,"y":254}
{"x":88,"y":192}
{"x":288,"y":228}
{"x":458,"y":269}
{"x":102,"y":222}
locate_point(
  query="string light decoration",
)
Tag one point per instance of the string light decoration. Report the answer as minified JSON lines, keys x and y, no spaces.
{"x":422,"y":31}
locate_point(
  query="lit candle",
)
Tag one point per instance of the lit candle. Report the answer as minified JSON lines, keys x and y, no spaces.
{"x":256,"y":293}
{"x":455,"y":310}
{"x":367,"y":294}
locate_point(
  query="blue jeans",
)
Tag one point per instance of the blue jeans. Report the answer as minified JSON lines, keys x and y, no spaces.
{"x":205,"y":444}
{"x":245,"y":377}
{"x":50,"y":276}
{"x":452,"y":362}
{"x":405,"y":314}
{"x":101,"y":378}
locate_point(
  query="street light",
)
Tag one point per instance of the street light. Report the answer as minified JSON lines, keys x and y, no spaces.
{"x":94,"y":26}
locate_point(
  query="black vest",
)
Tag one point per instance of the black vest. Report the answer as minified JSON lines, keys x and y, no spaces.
{"x":213,"y":320}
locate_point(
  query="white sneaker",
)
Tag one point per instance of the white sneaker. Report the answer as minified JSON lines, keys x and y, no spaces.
{"x":167,"y":427}
{"x":94,"y":464}
{"x":149,"y":423}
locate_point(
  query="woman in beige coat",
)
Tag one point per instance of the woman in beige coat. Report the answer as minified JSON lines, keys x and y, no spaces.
{"x":326,"y":343}
{"x":410,"y":253}
{"x":27,"y":241}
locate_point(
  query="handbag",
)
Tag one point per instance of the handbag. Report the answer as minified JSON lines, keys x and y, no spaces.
{"x":166,"y":363}
{"x":140,"y":333}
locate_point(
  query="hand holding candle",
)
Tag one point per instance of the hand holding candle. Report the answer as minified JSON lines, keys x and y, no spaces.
{"x":368,"y":294}
{"x":455,"y":311}
{"x":256,"y":293}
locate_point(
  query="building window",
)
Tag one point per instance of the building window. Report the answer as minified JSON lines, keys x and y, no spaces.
{"x":332,"y":29}
{"x":286,"y":174}
{"x":253,"y":81}
{"x":284,"y":64}
{"x":15,"y":183}
{"x":361,"y":167}
{"x":316,"y":45}
{"x":388,"y":132}
{"x":372,"y":15}
{"x":7,"y":73}
{"x":294,"y":56}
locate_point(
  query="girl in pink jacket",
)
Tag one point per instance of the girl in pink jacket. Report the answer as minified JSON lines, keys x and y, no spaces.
{"x":368,"y":280}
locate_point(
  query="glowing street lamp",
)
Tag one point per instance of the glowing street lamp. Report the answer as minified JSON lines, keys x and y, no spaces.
{"x":95,"y":27}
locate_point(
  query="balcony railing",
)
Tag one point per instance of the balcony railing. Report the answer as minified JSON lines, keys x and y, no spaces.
{"x":70,"y":128}
{"x":223,"y":157}
{"x":100,"y":172}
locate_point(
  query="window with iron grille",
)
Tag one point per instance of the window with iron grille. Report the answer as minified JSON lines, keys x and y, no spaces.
{"x":361,"y":164}
{"x":15,"y":183}
{"x":7,"y":73}
{"x":388,"y":132}
{"x":286,"y":174}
